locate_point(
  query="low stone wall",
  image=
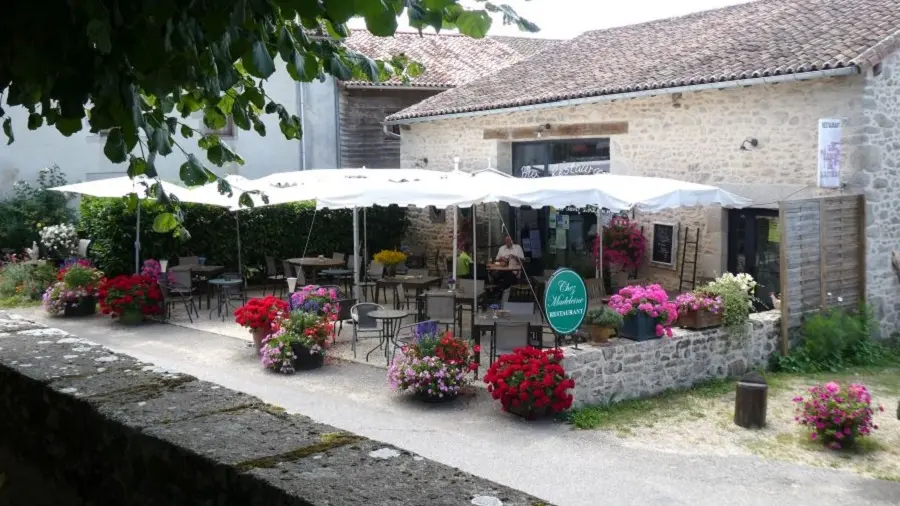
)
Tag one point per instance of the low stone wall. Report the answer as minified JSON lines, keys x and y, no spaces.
{"x":81,"y":425}
{"x":631,"y":370}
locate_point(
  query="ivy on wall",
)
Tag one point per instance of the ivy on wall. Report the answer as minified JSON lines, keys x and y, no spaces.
{"x":280,"y":231}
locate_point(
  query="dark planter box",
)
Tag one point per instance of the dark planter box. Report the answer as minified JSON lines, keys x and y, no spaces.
{"x":639,"y":327}
{"x":84,"y":307}
{"x":306,"y":360}
{"x":698,"y":320}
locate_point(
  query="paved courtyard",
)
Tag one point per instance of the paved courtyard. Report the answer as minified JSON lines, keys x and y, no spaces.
{"x":547,"y":459}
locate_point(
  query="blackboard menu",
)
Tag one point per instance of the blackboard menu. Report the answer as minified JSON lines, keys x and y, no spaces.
{"x":664,"y":245}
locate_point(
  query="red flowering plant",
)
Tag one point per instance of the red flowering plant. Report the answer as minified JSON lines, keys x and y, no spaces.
{"x":261,"y":313}
{"x":623,"y":244}
{"x":530,"y":381}
{"x":835,"y":416}
{"x":435,"y":365}
{"x":130,"y":293}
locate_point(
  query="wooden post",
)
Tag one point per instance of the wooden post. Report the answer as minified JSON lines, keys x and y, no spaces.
{"x":823,"y":255}
{"x":750,"y":401}
{"x":862,"y":254}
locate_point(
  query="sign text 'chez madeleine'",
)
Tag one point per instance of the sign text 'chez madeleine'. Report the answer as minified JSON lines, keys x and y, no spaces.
{"x":565,"y":300}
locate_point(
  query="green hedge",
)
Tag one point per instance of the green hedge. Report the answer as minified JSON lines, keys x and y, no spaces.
{"x":279,"y":231}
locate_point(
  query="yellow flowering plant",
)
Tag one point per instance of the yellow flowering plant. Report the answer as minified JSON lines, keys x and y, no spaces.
{"x":389,"y":257}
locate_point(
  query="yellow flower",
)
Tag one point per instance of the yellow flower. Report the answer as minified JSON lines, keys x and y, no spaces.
{"x":390,"y":257}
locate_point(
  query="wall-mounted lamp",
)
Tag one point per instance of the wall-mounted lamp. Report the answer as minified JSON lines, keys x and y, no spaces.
{"x":749,"y":143}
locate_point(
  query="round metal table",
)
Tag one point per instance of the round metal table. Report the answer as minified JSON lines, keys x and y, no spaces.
{"x":223,"y":288}
{"x":391,"y":319}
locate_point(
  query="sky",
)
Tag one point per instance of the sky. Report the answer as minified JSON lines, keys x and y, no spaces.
{"x":564,"y":19}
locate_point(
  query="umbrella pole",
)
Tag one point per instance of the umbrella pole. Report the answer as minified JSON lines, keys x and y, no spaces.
{"x":365,"y":256}
{"x":455,"y":239}
{"x":137,"y":241}
{"x":474,"y":263}
{"x":356,"y":257}
{"x":237,"y":221}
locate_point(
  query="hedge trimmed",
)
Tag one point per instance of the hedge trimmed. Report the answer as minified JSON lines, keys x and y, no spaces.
{"x":280,"y":231}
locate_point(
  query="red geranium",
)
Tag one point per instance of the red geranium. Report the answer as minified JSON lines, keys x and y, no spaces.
{"x":530,"y":381}
{"x":261,"y":313}
{"x":130,"y":292}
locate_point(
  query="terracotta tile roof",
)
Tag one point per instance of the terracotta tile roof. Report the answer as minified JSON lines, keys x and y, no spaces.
{"x":449,"y":59}
{"x":526,"y":46}
{"x":764,"y":38}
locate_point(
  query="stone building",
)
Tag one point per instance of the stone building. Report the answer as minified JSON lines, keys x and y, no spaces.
{"x":731,"y":97}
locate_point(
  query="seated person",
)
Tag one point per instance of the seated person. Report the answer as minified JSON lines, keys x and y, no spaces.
{"x":464,"y":263}
{"x":510,"y":254}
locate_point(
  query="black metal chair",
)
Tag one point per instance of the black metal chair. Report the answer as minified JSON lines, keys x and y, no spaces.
{"x":507,"y":336}
{"x":345,"y":312}
{"x":273,"y":277}
{"x":442,"y":308}
{"x":363,"y":323}
{"x":170,"y":298}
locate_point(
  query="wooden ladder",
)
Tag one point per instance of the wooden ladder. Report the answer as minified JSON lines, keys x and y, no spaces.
{"x":689,"y":260}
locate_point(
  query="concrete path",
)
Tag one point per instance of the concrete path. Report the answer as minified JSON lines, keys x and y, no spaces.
{"x":546,"y":459}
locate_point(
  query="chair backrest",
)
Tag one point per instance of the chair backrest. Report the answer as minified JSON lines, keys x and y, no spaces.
{"x":188,"y":261}
{"x":510,"y":335}
{"x":519,"y":308}
{"x":594,"y":289}
{"x":83,"y":246}
{"x":440,"y":306}
{"x":376,"y":270}
{"x":354,"y":259}
{"x":271,"y":270}
{"x":469,"y":287}
{"x":164,"y":287}
{"x":360,"y":314}
{"x":338,"y":256}
{"x":345,"y":306}
{"x":180,"y":279}
{"x":288,"y":269}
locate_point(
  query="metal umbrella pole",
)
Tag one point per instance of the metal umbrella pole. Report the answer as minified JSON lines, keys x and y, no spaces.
{"x":237,"y":221}
{"x":137,"y":241}
{"x":356,"y":249}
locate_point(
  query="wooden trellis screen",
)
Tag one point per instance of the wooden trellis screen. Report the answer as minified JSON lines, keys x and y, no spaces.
{"x":823,"y":251}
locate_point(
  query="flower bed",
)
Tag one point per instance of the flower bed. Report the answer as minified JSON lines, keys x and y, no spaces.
{"x":699,"y":310}
{"x":835,"y":416}
{"x":530,"y":382}
{"x":435,"y":366}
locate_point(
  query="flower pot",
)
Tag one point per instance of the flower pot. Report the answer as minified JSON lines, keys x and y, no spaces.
{"x":599,"y":333}
{"x":844,"y":443}
{"x":697,"y":320}
{"x":306,"y":360}
{"x":258,"y":336}
{"x":131,"y":317}
{"x":639,"y":327}
{"x":86,"y":306}
{"x":434,"y":399}
{"x":529,"y":413}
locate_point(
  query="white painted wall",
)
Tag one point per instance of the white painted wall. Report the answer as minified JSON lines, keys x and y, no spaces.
{"x":81,"y":155}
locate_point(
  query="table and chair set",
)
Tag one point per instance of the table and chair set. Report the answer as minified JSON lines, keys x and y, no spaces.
{"x":193,"y":277}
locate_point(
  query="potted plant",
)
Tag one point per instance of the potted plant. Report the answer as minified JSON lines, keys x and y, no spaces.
{"x":837,"y":417}
{"x":624,"y":246}
{"x":530,"y":382}
{"x":60,"y":241}
{"x":75,"y":291}
{"x":296,"y":343}
{"x":130,"y":298}
{"x":435,"y":366}
{"x":736,"y":293}
{"x":390,"y":259}
{"x":315,"y":299}
{"x":602,"y":322}
{"x":259,"y":315}
{"x":699,"y":310}
{"x":647,"y":312}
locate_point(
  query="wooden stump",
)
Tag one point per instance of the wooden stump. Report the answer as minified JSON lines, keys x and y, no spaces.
{"x":750,"y":401}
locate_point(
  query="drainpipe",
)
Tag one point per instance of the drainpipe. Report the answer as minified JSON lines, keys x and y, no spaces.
{"x":388,"y":134}
{"x":302,"y":126}
{"x":338,"y":159}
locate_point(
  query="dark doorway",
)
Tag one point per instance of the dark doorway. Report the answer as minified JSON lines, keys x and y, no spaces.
{"x":754,"y":247}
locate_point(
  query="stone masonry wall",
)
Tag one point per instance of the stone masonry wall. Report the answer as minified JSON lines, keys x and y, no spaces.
{"x":637,"y":370}
{"x":84,"y":426}
{"x":879,"y":157}
{"x":697,"y":139}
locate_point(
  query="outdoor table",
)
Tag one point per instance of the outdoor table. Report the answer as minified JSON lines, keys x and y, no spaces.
{"x":419,"y":283}
{"x":390,"y":319}
{"x":205,"y":273}
{"x":485,"y":323}
{"x":223,"y":301}
{"x":315,"y":264}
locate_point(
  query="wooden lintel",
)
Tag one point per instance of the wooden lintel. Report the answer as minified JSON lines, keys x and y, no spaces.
{"x":562,"y":130}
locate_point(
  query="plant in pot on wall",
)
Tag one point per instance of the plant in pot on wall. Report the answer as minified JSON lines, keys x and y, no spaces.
{"x":297,"y":343}
{"x":736,"y":293}
{"x":835,"y":416}
{"x":699,"y":310}
{"x":530,"y":382}
{"x":75,"y":291}
{"x":646,"y":310}
{"x":624,"y":246}
{"x":390,"y":259}
{"x":260,"y":315}
{"x":602,"y":323}
{"x":434,"y":366}
{"x":130,"y":298}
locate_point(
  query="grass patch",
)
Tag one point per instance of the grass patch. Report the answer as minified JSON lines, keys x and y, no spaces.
{"x":18,"y":301}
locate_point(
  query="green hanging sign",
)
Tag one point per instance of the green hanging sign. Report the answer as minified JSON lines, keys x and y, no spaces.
{"x":565,"y":301}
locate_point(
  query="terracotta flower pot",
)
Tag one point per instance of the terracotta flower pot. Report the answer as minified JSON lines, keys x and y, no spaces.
{"x":600,"y":334}
{"x":697,"y":320}
{"x":258,"y":336}
{"x":131,"y":317}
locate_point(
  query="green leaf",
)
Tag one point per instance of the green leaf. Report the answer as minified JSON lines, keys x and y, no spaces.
{"x":285,"y":43}
{"x":131,"y":202}
{"x":245,"y":200}
{"x":252,"y":95}
{"x":382,"y":23}
{"x":115,"y":149}
{"x":340,"y":11}
{"x":7,"y":129}
{"x":187,"y":132}
{"x":475,"y":24}
{"x":239,"y":115}
{"x":192,"y":172}
{"x":437,"y":5}
{"x":226,"y":103}
{"x":338,"y":69}
{"x":160,"y":141}
{"x":150,"y":171}
{"x":165,"y":222}
{"x":136,"y":167}
{"x":98,"y":34}
{"x":258,"y":61}
{"x":225,"y":188}
{"x":214,"y":119}
{"x":290,"y":127}
{"x":35,"y":121}
{"x":68,"y":125}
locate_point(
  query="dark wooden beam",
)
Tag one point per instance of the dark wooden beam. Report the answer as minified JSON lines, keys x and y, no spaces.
{"x":562,"y":130}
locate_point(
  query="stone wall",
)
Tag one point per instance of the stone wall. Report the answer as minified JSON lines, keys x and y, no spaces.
{"x":636,"y":370}
{"x":84,"y":426}
{"x":696,"y":138}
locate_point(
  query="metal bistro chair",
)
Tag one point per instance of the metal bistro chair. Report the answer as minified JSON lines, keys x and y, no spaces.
{"x":507,"y":336}
{"x":441,"y":307}
{"x":363,"y":323}
{"x":404,"y":298}
{"x":272,"y":276}
{"x":170,"y":298}
{"x":345,"y":312}
{"x":238,"y":293}
{"x":181,"y":283}
{"x":406,"y":335}
{"x":370,"y":283}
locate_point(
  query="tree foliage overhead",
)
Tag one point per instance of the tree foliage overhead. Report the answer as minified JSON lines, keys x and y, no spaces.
{"x":137,"y":68}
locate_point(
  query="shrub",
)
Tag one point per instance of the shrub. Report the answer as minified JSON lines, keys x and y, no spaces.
{"x":530,"y":381}
{"x":836,"y":417}
{"x":60,"y":241}
{"x":31,"y":208}
{"x":604,"y":317}
{"x":280,"y":231}
{"x":650,"y":300}
{"x":736,"y":293}
{"x":25,"y":280}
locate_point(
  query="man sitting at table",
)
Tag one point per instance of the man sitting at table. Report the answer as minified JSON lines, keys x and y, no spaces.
{"x":510,"y":255}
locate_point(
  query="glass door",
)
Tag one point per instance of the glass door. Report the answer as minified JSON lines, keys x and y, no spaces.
{"x":754,"y":247}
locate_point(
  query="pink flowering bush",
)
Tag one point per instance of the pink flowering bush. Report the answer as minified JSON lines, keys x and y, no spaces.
{"x":834,"y":416}
{"x":699,"y":301}
{"x":650,"y":300}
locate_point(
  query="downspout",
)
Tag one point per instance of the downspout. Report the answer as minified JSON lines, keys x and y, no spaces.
{"x":302,"y":126}
{"x":339,"y":162}
{"x":388,"y":134}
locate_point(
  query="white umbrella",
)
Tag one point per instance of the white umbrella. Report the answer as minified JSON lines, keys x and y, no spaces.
{"x":122,"y":187}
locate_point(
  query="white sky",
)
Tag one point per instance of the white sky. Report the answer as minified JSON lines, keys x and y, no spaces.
{"x":564,"y":19}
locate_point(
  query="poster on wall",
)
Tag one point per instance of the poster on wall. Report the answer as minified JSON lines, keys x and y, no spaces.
{"x":829,"y":153}
{"x":664,"y":248}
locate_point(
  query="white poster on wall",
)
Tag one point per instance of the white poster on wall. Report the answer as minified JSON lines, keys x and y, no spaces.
{"x":829,"y":153}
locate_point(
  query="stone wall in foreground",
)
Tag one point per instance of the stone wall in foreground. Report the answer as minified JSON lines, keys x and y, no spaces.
{"x":83,"y":426}
{"x":634,"y":370}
